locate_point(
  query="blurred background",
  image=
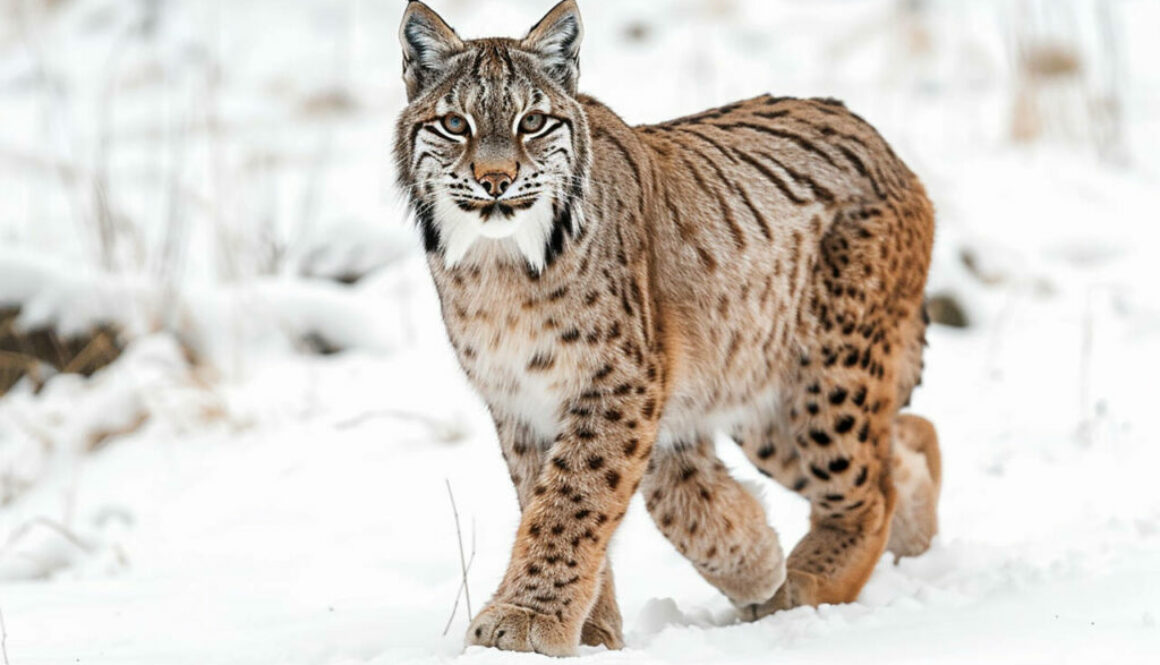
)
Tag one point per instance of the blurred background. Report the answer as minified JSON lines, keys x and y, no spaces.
{"x":222,"y":365}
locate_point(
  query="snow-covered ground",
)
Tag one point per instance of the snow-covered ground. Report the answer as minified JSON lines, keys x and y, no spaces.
{"x":267,"y":506}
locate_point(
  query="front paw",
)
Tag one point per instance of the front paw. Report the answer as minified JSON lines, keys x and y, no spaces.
{"x":515,"y":628}
{"x":602,"y":631}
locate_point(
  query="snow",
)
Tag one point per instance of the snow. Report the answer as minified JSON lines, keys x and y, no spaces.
{"x":272,"y":506}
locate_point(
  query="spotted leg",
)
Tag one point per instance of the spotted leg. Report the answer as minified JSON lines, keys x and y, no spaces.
{"x":841,"y":421}
{"x":577,"y":500}
{"x":522,"y":451}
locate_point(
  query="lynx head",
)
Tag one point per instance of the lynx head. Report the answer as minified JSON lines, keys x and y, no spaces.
{"x":493,"y":147}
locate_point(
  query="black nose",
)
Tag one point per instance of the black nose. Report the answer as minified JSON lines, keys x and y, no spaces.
{"x":495,"y":183}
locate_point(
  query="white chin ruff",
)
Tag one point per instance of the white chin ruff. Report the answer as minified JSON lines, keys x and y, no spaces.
{"x":467,"y":236}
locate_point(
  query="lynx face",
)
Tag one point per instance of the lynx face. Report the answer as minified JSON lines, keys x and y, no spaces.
{"x":493,"y":148}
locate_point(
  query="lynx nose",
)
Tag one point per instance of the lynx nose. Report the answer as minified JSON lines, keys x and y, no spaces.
{"x":495,"y":178}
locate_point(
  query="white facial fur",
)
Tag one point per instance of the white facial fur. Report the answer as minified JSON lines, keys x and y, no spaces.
{"x":524,"y":235}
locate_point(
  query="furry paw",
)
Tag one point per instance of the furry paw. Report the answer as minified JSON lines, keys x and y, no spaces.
{"x":798,"y":589}
{"x":515,"y":628}
{"x":602,"y":631}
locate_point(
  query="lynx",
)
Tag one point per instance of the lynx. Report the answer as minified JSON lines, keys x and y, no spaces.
{"x":619,"y":295}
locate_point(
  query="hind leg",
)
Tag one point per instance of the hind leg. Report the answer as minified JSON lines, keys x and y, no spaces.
{"x":840,"y":421}
{"x":917,"y":477}
{"x":714,"y":522}
{"x":916,"y":469}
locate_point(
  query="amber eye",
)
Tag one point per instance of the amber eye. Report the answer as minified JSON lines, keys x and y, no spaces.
{"x":532,"y":123}
{"x":455,"y":124}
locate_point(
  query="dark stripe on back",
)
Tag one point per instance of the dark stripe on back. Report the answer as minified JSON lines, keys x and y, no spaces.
{"x":796,"y":139}
{"x":761,"y":221}
{"x":737,"y":189}
{"x":727,"y":212}
{"x":773,"y":177}
{"x":720,"y":148}
{"x":820,"y":192}
{"x":854,"y":159}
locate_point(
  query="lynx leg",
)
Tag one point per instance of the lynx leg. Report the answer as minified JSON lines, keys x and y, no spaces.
{"x":773,"y":452}
{"x":917,"y":476}
{"x":841,"y":417}
{"x":523,"y":454}
{"x":590,"y":472}
{"x":712,"y":520}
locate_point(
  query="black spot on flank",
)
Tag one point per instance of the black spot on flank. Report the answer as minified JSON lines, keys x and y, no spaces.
{"x":595,"y":462}
{"x":861,"y":479}
{"x":560,"y":463}
{"x":613,"y":478}
{"x":766,"y":451}
{"x":864,"y":432}
{"x":585,"y":434}
{"x":860,"y":396}
{"x":844,"y":424}
{"x":814,"y":389}
{"x":839,"y":465}
{"x":835,"y":498}
{"x":812,"y":408}
{"x":649,"y":408}
{"x":837,"y":396}
{"x":820,"y":474}
{"x":800,"y":484}
{"x":820,"y":437}
{"x":571,"y":335}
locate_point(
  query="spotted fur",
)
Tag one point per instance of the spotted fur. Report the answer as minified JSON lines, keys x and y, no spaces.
{"x":619,"y":295}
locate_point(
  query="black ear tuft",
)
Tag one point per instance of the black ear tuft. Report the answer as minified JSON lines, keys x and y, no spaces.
{"x":427,"y":43}
{"x":556,"y":39}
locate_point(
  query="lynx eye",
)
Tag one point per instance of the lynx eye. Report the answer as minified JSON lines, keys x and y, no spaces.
{"x":455,"y":124}
{"x":532,"y":123}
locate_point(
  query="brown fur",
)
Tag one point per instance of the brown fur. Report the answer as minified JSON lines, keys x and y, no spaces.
{"x":757,"y":268}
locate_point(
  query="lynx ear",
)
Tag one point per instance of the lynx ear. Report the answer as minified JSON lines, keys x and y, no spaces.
{"x":556,"y":38}
{"x":427,"y":43}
